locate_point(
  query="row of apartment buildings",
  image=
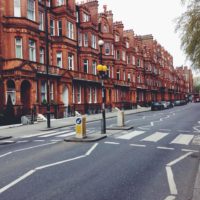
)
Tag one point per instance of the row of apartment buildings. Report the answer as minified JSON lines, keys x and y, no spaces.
{"x":139,"y":71}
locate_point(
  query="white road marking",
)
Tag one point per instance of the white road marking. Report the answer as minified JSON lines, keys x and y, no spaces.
{"x":67,"y":134}
{"x":39,"y":141}
{"x":22,"y":141}
{"x":29,"y":173}
{"x":91,"y":149}
{"x":5,"y":154}
{"x":196,"y":140}
{"x":155,"y":137}
{"x":111,"y":143}
{"x":60,"y":162}
{"x":179,"y":159}
{"x":189,"y":150}
{"x":183,"y":139}
{"x":165,"y":148}
{"x":56,"y":140}
{"x":8,"y":141}
{"x":137,"y":145}
{"x":53,"y":134}
{"x":170,"y":176}
{"x":170,"y":198}
{"x":37,"y":134}
{"x":172,"y":184}
{"x":131,"y":135}
{"x":33,"y":147}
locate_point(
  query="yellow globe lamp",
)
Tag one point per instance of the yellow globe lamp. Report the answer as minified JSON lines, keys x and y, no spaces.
{"x":104,"y":68}
{"x":99,"y":68}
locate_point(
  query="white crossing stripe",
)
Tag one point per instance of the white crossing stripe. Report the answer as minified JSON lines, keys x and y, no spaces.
{"x":131,"y":135}
{"x":53,"y":134}
{"x":184,"y":139}
{"x":196,"y":140}
{"x":155,"y":137}
{"x":68,"y":134}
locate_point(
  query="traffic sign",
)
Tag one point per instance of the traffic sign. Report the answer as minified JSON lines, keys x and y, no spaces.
{"x":78,"y":120}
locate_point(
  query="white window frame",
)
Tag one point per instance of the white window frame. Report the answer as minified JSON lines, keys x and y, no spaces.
{"x":17,"y":8}
{"x":70,"y":61}
{"x":95,"y":95}
{"x":59,"y":62}
{"x":43,"y":91}
{"x":94,"y":67}
{"x":123,"y":55}
{"x":12,"y":93}
{"x":129,"y":77}
{"x":124,"y":73}
{"x":31,"y":11}
{"x":79,"y":95}
{"x":70,"y":30}
{"x":52,"y":27}
{"x":107,"y":48}
{"x":42,"y":55}
{"x":59,"y":27}
{"x":94,"y":41}
{"x":86,"y":17}
{"x":51,"y":92}
{"x":32,"y":50}
{"x":85,"y":40}
{"x":18,"y":47}
{"x":85,"y":64}
{"x":90,"y":95}
{"x":41,"y":21}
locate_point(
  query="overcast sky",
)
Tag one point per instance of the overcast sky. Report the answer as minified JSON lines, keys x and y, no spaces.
{"x":154,"y":17}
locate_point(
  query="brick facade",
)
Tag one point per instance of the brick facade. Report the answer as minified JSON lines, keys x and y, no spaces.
{"x":140,"y":70}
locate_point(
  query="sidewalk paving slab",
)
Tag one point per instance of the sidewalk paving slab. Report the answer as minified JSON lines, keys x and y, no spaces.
{"x":196,"y":191}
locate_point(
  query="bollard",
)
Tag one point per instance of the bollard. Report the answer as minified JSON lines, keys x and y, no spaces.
{"x":120,"y":118}
{"x":81,"y":127}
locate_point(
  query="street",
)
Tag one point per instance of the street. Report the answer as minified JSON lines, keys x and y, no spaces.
{"x":157,"y":160}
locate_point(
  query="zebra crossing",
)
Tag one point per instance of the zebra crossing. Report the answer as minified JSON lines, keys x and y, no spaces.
{"x":180,"y":139}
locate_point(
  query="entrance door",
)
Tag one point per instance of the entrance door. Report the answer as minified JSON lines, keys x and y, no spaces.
{"x":25,"y":96}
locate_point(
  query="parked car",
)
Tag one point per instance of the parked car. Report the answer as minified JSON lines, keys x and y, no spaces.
{"x":177,"y":103}
{"x":157,"y":106}
{"x":170,"y":104}
{"x":164,"y":103}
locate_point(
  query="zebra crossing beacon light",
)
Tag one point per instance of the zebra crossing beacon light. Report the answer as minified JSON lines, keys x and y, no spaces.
{"x":102,"y":69}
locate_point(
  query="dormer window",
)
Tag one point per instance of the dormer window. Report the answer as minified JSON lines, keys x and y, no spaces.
{"x":86,"y":17}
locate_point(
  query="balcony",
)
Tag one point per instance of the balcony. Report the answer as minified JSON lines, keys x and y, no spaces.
{"x":53,"y":71}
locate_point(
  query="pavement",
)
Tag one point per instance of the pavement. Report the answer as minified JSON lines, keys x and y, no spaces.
{"x":18,"y":130}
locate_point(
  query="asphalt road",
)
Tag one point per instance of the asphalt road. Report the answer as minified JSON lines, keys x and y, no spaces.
{"x":157,"y":160}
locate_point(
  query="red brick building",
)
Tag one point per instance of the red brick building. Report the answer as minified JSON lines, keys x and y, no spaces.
{"x":140,"y":70}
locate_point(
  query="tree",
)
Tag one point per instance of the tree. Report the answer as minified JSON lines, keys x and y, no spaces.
{"x":188,"y":24}
{"x":9,"y":112}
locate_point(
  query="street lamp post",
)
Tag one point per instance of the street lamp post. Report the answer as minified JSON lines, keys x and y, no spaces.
{"x":102,"y":69}
{"x":47,"y":65}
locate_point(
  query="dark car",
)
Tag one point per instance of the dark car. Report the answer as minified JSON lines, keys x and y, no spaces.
{"x":157,"y":106}
{"x":177,"y":103}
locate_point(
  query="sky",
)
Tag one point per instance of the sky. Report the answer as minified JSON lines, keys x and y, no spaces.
{"x":156,"y":17}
